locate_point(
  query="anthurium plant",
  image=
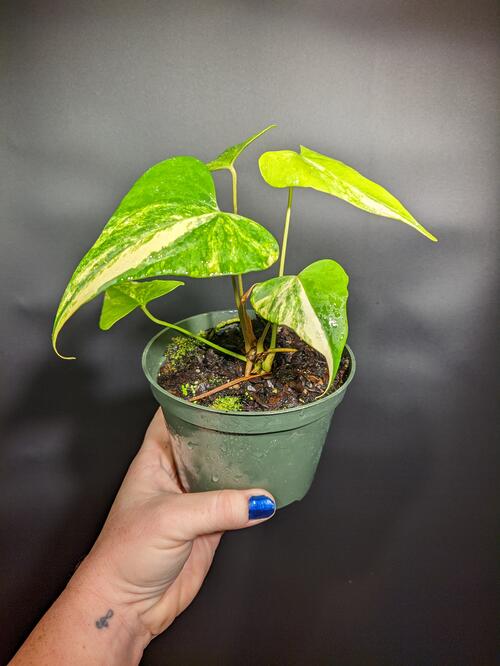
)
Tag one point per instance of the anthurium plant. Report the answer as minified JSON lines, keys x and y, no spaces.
{"x":169,"y":224}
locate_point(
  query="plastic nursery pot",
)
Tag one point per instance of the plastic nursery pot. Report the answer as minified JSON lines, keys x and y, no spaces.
{"x":275,"y":450}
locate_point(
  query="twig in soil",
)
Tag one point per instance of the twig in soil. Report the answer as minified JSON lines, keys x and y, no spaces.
{"x":233,"y":382}
{"x":313,"y":378}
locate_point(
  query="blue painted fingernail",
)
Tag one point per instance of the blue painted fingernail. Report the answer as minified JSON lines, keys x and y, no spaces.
{"x":260,"y":506}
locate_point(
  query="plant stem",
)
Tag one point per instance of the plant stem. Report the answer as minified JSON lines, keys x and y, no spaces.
{"x":234,"y":176}
{"x":262,"y":339}
{"x":245,"y":323}
{"x":279,"y":350}
{"x":268,"y":363}
{"x":237,"y":281}
{"x":285,"y":232}
{"x":236,"y":291}
{"x":192,"y":335}
{"x":240,"y":284}
{"x":237,"y":284}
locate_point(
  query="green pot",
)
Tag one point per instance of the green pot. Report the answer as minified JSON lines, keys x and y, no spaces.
{"x":276,"y":450}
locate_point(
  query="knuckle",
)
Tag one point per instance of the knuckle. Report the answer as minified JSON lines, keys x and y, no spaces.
{"x":226,"y":506}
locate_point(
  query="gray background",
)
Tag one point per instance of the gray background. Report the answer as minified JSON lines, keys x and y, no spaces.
{"x":390,"y":558}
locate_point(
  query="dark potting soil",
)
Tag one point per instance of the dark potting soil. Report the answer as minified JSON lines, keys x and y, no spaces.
{"x":191,"y":368}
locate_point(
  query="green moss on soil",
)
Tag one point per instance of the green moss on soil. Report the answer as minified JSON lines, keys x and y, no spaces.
{"x":228,"y":403}
{"x":188,"y":390}
{"x":177,"y":349}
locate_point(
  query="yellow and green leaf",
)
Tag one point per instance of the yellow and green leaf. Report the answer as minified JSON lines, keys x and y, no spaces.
{"x":286,"y":168}
{"x":227,"y":159}
{"x":313,"y":304}
{"x":124,"y":298}
{"x":168,"y":224}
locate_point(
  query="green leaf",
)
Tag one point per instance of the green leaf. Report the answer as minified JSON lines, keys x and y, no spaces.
{"x":313,"y":304}
{"x":286,"y":168}
{"x":168,"y":224}
{"x":228,"y":157}
{"x":125,"y":297}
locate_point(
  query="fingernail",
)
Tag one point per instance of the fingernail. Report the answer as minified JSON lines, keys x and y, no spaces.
{"x":260,"y":506}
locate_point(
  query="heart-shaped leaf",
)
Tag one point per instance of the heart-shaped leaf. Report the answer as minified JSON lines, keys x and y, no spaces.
{"x":286,"y":168}
{"x":168,"y":224}
{"x":125,"y":297}
{"x":313,"y":304}
{"x":229,"y":156}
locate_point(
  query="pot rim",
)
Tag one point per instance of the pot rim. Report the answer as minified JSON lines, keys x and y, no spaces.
{"x":203,"y":408}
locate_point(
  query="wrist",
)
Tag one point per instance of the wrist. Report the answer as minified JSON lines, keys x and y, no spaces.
{"x":107,"y":606}
{"x":82,"y":628}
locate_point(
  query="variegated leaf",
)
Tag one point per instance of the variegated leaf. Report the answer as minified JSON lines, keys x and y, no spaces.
{"x":229,"y":156}
{"x":313,"y":304}
{"x":124,"y":298}
{"x":168,"y":224}
{"x":286,"y":168}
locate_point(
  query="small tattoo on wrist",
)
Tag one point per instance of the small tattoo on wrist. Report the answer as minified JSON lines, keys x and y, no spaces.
{"x":103,"y":621}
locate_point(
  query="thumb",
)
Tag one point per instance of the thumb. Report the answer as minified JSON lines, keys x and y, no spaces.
{"x":195,"y":514}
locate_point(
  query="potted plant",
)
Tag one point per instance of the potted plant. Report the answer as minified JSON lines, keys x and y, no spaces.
{"x":248,"y":394}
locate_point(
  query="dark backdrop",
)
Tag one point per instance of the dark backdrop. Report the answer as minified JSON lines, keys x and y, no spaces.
{"x":390,"y":558}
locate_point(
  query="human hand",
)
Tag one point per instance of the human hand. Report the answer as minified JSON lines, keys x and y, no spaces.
{"x":158,"y":542}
